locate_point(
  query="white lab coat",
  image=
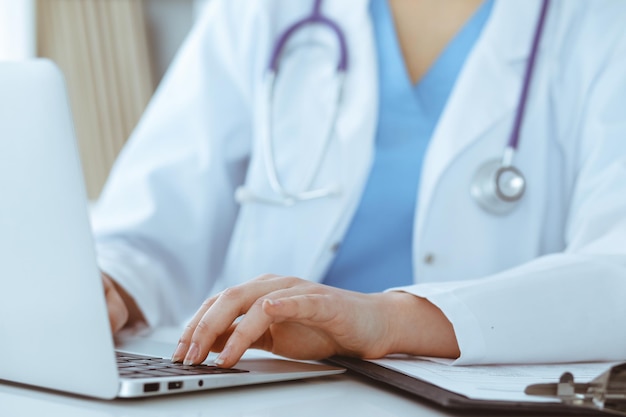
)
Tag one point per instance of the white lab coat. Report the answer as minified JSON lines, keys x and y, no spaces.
{"x":544,"y":283}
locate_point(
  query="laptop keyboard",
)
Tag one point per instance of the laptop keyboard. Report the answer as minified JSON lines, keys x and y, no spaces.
{"x":137,"y":366}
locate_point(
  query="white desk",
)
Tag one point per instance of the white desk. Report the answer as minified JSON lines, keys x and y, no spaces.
{"x":341,"y":395}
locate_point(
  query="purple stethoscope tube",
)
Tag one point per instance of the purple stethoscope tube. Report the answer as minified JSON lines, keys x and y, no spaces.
{"x":530,"y":69}
{"x":497,"y":185}
{"x":315,"y":18}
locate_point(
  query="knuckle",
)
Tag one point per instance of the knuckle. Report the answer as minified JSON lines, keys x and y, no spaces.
{"x":315,"y":303}
{"x":187,"y":332}
{"x":265,"y":277}
{"x":203,"y":332}
{"x":202,"y":327}
{"x":241,"y":336}
{"x":292,"y":281}
{"x":258,"y":304}
{"x":314,"y":299}
{"x":231,"y":293}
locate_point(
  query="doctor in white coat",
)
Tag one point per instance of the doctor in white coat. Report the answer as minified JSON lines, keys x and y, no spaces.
{"x":545,"y":282}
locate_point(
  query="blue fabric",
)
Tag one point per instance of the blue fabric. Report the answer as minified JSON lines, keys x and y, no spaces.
{"x":376,"y":252}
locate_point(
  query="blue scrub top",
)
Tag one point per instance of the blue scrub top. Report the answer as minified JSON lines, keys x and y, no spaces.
{"x":376,"y":252}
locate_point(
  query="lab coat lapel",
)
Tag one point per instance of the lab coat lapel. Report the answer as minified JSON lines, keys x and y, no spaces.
{"x":485,"y":93}
{"x":305,"y":234}
{"x":356,"y":124}
{"x":314,"y":226}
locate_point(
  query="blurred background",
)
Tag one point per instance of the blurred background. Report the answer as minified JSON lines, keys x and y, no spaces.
{"x":113,"y":54}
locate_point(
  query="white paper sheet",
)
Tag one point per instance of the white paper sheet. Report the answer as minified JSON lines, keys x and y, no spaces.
{"x":493,"y":382}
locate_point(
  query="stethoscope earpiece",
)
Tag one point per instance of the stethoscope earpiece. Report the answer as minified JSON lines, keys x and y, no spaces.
{"x":497,"y":188}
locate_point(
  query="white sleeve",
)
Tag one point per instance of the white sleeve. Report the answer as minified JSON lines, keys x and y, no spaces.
{"x":164,"y":219}
{"x":569,"y":306}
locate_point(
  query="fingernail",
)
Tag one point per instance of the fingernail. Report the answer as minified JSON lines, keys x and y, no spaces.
{"x":223,"y":357}
{"x":192,"y":355}
{"x":178,"y":353}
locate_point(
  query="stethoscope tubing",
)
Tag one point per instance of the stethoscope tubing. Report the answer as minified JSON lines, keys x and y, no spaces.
{"x":498,"y":186}
{"x":284,"y":196}
{"x":528,"y":76}
{"x":290,"y":198}
{"x":486,"y":186}
{"x":315,"y":18}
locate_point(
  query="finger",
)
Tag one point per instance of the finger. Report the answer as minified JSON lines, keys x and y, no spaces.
{"x":306,"y":308}
{"x":264,"y":342}
{"x":309,"y":309}
{"x":245,"y":334}
{"x":253,"y":329}
{"x":185,"y":340}
{"x":229,"y":305}
{"x":353,"y":326}
{"x":216,"y":320}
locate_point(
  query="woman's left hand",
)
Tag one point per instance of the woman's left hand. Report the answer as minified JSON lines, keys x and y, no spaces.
{"x":303,"y":320}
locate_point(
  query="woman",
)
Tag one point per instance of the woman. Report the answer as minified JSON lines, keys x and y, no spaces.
{"x":431,"y":93}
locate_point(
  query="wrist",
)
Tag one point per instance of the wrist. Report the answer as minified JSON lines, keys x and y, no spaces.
{"x":418,"y":327}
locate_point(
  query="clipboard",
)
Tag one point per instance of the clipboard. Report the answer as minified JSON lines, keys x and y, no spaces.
{"x":455,"y":401}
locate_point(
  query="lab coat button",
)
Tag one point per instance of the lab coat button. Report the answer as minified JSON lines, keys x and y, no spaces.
{"x":429,"y":259}
{"x":335,"y":247}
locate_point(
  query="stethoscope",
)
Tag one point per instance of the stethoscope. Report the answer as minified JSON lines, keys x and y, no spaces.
{"x":497,"y":186}
{"x":283,"y":196}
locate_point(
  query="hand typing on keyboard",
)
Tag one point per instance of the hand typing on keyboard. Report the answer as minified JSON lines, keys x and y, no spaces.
{"x":303,"y":320}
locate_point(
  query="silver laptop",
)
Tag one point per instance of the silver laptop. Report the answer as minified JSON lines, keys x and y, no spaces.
{"x":54,"y":329}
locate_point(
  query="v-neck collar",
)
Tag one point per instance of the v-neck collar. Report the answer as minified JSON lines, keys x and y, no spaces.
{"x":430,"y":93}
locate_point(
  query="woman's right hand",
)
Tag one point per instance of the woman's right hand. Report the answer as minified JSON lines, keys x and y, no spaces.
{"x":303,"y":320}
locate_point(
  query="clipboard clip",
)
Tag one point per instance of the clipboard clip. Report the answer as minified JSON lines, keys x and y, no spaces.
{"x":606,"y":392}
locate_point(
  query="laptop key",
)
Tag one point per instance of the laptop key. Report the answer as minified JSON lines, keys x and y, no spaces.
{"x":137,"y":366}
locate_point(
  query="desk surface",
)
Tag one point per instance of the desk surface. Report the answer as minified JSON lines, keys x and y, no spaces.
{"x":340,"y":395}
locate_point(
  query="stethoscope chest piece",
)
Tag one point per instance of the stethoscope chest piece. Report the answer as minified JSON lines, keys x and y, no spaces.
{"x":498,"y":188}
